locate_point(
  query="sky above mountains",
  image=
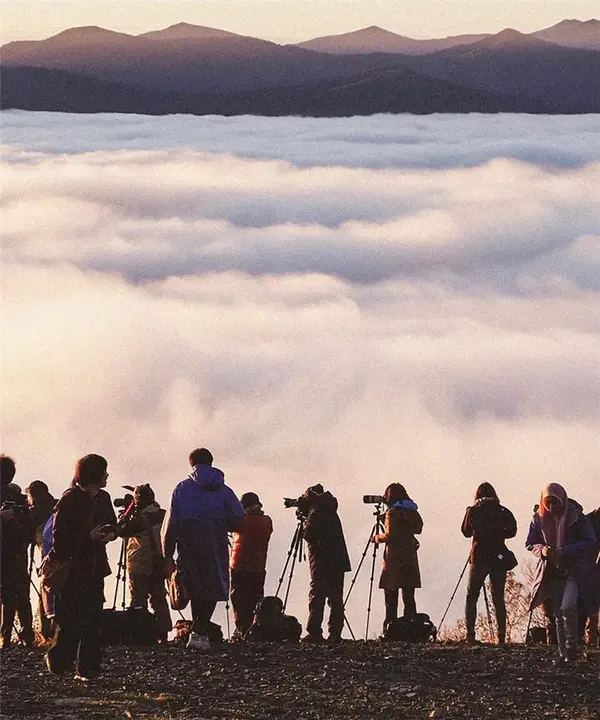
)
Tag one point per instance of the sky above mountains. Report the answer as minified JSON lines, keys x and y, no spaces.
{"x":290,"y":20}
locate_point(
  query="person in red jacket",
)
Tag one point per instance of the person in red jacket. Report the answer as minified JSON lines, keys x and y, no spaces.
{"x":248,"y":561}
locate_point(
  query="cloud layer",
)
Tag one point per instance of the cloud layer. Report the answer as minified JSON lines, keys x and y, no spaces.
{"x":350,"y":325}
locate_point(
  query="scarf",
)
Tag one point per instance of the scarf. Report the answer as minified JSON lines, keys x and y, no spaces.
{"x":553,"y":526}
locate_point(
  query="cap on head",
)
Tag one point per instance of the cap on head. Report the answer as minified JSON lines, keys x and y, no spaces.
{"x":143,"y":495}
{"x":250,"y":499}
{"x":7,"y":469}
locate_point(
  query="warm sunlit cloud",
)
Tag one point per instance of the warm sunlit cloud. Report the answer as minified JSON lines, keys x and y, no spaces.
{"x":309,"y":323}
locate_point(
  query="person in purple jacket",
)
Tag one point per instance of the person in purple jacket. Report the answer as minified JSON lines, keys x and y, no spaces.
{"x":201,"y":513}
{"x":563,"y":539}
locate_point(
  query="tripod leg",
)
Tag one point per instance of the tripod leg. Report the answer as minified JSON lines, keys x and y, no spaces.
{"x":296,"y":555}
{"x":360,"y":564}
{"x":288,"y":559}
{"x":439,"y":627}
{"x":371,"y":579}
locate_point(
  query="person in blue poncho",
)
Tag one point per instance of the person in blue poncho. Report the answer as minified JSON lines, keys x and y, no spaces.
{"x":400,"y":561}
{"x":201,"y":513}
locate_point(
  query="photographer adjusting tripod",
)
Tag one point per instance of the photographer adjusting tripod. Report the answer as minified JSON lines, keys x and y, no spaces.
{"x":328,"y":560}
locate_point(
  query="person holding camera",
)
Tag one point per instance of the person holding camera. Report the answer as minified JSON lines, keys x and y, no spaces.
{"x":249,"y":561}
{"x":16,"y":532}
{"x":490,"y":524}
{"x":328,"y":561}
{"x":145,"y":563}
{"x":563,"y":540}
{"x":400,"y":562}
{"x":201,"y":513}
{"x":78,"y":544}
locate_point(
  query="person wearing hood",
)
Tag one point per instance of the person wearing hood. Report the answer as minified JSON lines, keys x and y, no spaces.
{"x":145,"y":563}
{"x":201,"y":513}
{"x":490,"y":524}
{"x":400,"y":562}
{"x":328,"y":562}
{"x":563,"y":540}
{"x":249,"y":561}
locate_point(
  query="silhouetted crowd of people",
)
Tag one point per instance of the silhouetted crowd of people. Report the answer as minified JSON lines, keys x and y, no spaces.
{"x":209,"y":546}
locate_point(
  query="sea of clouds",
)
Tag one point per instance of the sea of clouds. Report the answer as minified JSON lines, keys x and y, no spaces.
{"x":353,"y":302}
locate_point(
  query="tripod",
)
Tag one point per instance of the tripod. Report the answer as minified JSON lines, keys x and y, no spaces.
{"x":375,"y":530}
{"x":121,"y":576}
{"x":296,"y":553}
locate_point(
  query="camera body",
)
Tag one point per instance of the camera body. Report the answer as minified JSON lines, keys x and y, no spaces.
{"x":302,"y":504}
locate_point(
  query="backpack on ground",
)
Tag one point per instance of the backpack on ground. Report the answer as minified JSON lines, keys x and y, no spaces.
{"x":134,"y":626}
{"x":411,"y":628}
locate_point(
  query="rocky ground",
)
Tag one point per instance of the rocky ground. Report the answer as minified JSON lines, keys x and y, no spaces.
{"x":349,"y":680}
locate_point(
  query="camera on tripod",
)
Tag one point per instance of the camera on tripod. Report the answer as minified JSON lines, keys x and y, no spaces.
{"x":373,"y":499}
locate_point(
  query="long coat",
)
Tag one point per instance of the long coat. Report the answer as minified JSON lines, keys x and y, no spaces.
{"x":577,"y":555}
{"x":202,"y":511}
{"x":327,"y":551}
{"x":400,"y":561}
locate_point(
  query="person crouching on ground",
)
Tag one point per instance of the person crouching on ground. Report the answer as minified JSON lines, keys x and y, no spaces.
{"x":328,"y":561}
{"x":400,"y":562}
{"x":563,"y":539}
{"x":145,"y":563}
{"x":248,"y":562}
{"x":489,"y":524}
{"x":201,"y":513}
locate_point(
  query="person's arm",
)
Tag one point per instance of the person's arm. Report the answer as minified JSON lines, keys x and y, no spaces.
{"x":234,"y":512}
{"x":170,"y":529}
{"x":467,"y":525}
{"x":585,"y":542}
{"x":388,"y":531}
{"x":415,"y":521}
{"x":510,"y":524}
{"x":535,"y":540}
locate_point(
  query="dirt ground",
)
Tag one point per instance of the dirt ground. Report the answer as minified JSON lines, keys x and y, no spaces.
{"x":348,"y":680}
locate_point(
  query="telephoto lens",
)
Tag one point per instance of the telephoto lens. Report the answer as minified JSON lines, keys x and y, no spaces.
{"x":373,"y":499}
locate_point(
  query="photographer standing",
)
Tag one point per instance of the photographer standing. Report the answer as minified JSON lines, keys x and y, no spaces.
{"x":145,"y":563}
{"x":490,"y":525}
{"x":400,"y":561}
{"x":78,"y":540}
{"x":202,"y":511}
{"x":328,"y":560}
{"x":16,"y":531}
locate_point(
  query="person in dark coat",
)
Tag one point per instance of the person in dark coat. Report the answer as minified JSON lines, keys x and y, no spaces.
{"x":201,"y":513}
{"x":490,"y":524}
{"x":563,"y":540}
{"x":76,"y":537}
{"x":328,"y":562}
{"x":145,"y":563}
{"x":400,"y":562}
{"x":249,"y":561}
{"x":593,"y":621}
{"x":16,"y":532}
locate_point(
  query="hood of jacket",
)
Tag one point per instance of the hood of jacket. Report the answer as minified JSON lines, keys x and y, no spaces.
{"x":325,"y":502}
{"x":208,"y":477}
{"x":406,"y":504}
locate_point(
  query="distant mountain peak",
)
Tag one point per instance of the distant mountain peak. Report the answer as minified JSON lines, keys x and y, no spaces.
{"x":183,"y":30}
{"x":88,"y":32}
